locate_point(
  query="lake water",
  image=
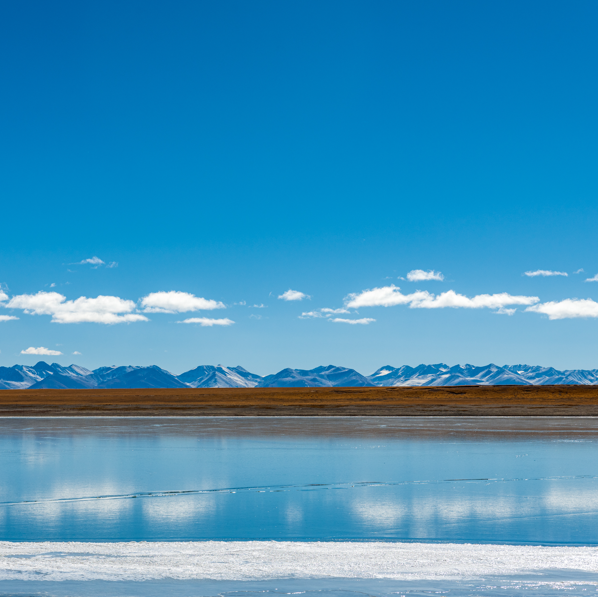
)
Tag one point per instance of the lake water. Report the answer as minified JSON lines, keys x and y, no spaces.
{"x":450,"y":480}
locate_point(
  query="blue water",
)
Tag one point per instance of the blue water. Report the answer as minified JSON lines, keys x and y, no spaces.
{"x":412,"y":479}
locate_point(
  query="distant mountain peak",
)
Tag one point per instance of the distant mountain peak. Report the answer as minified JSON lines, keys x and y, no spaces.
{"x":41,"y":375}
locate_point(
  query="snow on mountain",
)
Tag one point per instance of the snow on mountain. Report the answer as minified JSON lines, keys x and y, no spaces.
{"x":76,"y":370}
{"x":548,"y":375}
{"x":144,"y":377}
{"x":443,"y":375}
{"x":423,"y":375}
{"x":581,"y":377}
{"x":17,"y":377}
{"x":469,"y":375}
{"x":106,"y":374}
{"x":21,"y":377}
{"x":58,"y":381}
{"x":42,"y":375}
{"x":329,"y":376}
{"x":208,"y":376}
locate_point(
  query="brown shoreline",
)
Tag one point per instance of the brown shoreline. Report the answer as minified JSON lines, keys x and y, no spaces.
{"x":467,"y":401}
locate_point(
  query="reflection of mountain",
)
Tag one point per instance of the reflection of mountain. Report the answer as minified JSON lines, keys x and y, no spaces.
{"x":55,"y":376}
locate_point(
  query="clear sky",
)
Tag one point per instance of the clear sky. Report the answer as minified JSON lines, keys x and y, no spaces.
{"x":234,"y":151}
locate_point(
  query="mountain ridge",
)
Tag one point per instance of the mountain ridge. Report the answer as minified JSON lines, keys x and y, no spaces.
{"x":55,"y":376}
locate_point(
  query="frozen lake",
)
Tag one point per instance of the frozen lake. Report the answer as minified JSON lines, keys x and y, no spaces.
{"x":510,"y":484}
{"x":472,"y":480}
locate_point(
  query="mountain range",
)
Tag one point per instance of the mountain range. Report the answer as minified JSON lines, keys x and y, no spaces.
{"x":56,"y":376}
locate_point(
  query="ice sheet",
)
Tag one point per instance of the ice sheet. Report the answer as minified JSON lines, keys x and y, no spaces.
{"x":266,"y":560}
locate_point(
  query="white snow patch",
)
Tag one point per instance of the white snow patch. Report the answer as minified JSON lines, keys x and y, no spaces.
{"x":264,"y":560}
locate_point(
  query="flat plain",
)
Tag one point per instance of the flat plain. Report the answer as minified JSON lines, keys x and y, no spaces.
{"x":393,"y":401}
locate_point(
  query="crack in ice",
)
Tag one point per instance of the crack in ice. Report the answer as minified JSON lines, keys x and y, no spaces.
{"x":285,"y":488}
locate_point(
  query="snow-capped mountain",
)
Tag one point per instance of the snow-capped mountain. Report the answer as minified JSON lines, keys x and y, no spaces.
{"x":423,"y":375}
{"x":105,"y":374}
{"x":21,"y":377}
{"x":550,"y":376}
{"x":58,"y":381}
{"x":54,"y":376}
{"x":318,"y":377}
{"x":208,"y":376}
{"x":469,"y":375}
{"x":144,"y":377}
{"x":18,"y":377}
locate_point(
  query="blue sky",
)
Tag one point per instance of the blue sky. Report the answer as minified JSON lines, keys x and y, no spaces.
{"x":234,"y":151}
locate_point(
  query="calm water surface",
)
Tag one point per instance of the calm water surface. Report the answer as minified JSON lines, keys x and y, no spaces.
{"x":327,"y":479}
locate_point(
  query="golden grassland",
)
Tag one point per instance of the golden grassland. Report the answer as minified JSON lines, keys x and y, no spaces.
{"x":396,"y":402}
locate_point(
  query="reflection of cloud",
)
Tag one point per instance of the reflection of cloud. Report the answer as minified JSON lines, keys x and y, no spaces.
{"x":460,"y":508}
{"x":103,"y":509}
{"x":294,"y":514}
{"x":571,"y":500}
{"x":179,"y":508}
{"x":378,"y":513}
{"x":74,"y":490}
{"x":422,"y":513}
{"x":35,"y":453}
{"x":88,"y":511}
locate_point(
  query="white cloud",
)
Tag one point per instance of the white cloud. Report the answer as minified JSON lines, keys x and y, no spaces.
{"x":41,"y":350}
{"x":207,"y":322}
{"x":112,"y":265}
{"x":594,"y":279}
{"x":103,"y":309}
{"x":7,"y":317}
{"x":255,"y":316}
{"x":310,"y":315}
{"x":419,"y":275}
{"x":262,"y":306}
{"x":544,"y":273}
{"x":481,"y":301}
{"x":567,"y":309}
{"x":325,"y":312}
{"x":76,"y":352}
{"x":293,"y":295}
{"x":3,"y":296}
{"x":389,"y":296}
{"x":579,"y":271}
{"x":91,"y":261}
{"x":363,"y":321}
{"x":177,"y":302}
